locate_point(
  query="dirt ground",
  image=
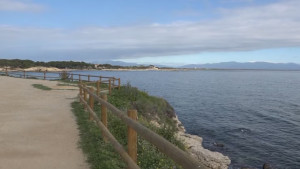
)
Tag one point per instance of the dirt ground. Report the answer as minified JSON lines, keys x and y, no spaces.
{"x":37,"y":128}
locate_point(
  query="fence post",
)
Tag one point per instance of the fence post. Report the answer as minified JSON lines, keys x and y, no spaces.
{"x":98,"y":88}
{"x":6,"y":73}
{"x":24,"y":74}
{"x":119,"y":83}
{"x":89,"y":78}
{"x":72,"y":77}
{"x":44,"y":75}
{"x":80,"y":90}
{"x":113,"y":86}
{"x":109,"y":86}
{"x":79,"y":77}
{"x":132,"y":137}
{"x":104,"y":114}
{"x":84,"y":94}
{"x":91,"y":103}
{"x":100,"y":78}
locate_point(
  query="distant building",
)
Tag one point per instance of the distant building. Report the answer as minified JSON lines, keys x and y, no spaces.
{"x":152,"y":67}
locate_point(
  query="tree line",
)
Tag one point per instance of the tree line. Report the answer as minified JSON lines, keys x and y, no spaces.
{"x":23,"y":64}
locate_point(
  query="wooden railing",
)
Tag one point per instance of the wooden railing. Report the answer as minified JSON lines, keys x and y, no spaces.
{"x":88,"y":97}
{"x":110,"y":82}
{"x":31,"y":74}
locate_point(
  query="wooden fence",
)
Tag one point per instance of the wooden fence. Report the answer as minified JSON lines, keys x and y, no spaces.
{"x":88,"y":97}
{"x":110,"y":82}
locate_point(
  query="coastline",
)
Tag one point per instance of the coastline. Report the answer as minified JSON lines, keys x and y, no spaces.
{"x":36,"y":69}
{"x":54,"y":69}
{"x":193,"y":144}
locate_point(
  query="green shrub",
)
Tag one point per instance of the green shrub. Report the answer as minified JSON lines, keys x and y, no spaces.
{"x":149,"y":108}
{"x":42,"y":87}
{"x":100,"y":155}
{"x":64,"y":75}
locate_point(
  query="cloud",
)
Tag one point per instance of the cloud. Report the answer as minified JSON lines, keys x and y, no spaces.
{"x":274,"y":25}
{"x":17,"y":5}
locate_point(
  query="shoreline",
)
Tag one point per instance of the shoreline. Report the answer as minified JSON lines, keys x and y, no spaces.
{"x":193,"y":144}
{"x":54,"y":69}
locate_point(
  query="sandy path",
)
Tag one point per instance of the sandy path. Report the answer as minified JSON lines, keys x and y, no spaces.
{"x":37,"y":127}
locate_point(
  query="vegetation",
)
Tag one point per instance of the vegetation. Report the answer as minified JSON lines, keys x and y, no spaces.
{"x":64,"y":75}
{"x":17,"y":63}
{"x":101,"y":154}
{"x":42,"y":87}
{"x":23,"y":64}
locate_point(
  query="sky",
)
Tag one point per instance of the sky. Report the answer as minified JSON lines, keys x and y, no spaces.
{"x":165,"y":32}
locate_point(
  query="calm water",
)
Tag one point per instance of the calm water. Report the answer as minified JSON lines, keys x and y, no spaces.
{"x":255,"y":114}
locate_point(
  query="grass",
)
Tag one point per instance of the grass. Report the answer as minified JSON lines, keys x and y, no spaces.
{"x":66,"y":84}
{"x":101,"y":155}
{"x":42,"y":87}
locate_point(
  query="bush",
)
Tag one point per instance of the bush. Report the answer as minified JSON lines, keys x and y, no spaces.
{"x":64,"y":75}
{"x":102,"y":155}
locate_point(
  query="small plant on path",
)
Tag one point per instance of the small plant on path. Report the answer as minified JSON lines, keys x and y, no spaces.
{"x":42,"y":87}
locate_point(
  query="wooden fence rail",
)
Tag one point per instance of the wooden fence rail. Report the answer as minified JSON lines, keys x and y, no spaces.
{"x":111,"y":82}
{"x":179,"y":156}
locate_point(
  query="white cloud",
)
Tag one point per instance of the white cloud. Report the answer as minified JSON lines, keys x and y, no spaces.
{"x":17,"y":5}
{"x":249,"y":28}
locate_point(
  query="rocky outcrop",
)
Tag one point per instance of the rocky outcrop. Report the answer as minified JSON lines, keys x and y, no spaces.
{"x":193,"y":143}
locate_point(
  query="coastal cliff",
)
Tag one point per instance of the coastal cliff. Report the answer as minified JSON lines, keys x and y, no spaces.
{"x":157,"y":114}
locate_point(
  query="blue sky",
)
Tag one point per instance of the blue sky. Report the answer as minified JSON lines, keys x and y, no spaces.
{"x":170,"y":32}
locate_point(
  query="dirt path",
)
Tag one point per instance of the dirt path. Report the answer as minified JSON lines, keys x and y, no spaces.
{"x":37,"y":127}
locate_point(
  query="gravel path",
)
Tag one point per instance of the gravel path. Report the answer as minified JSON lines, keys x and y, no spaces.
{"x":37,"y":128}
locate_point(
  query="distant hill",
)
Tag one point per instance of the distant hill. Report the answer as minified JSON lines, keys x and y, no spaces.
{"x":126,"y":64}
{"x":120,"y":63}
{"x":246,"y":65}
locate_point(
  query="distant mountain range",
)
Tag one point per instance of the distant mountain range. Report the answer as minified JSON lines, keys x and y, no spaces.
{"x":224,"y":65}
{"x":120,"y":63}
{"x":246,"y":65}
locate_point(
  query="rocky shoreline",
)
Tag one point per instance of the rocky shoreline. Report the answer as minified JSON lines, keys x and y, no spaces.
{"x":193,"y":143}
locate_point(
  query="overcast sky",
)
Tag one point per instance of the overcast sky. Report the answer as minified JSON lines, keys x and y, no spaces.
{"x":170,"y":32}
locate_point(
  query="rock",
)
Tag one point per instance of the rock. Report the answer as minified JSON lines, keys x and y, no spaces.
{"x":193,"y":143}
{"x":213,"y":160}
{"x":267,"y":166}
{"x":179,"y":125}
{"x":218,"y":144}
